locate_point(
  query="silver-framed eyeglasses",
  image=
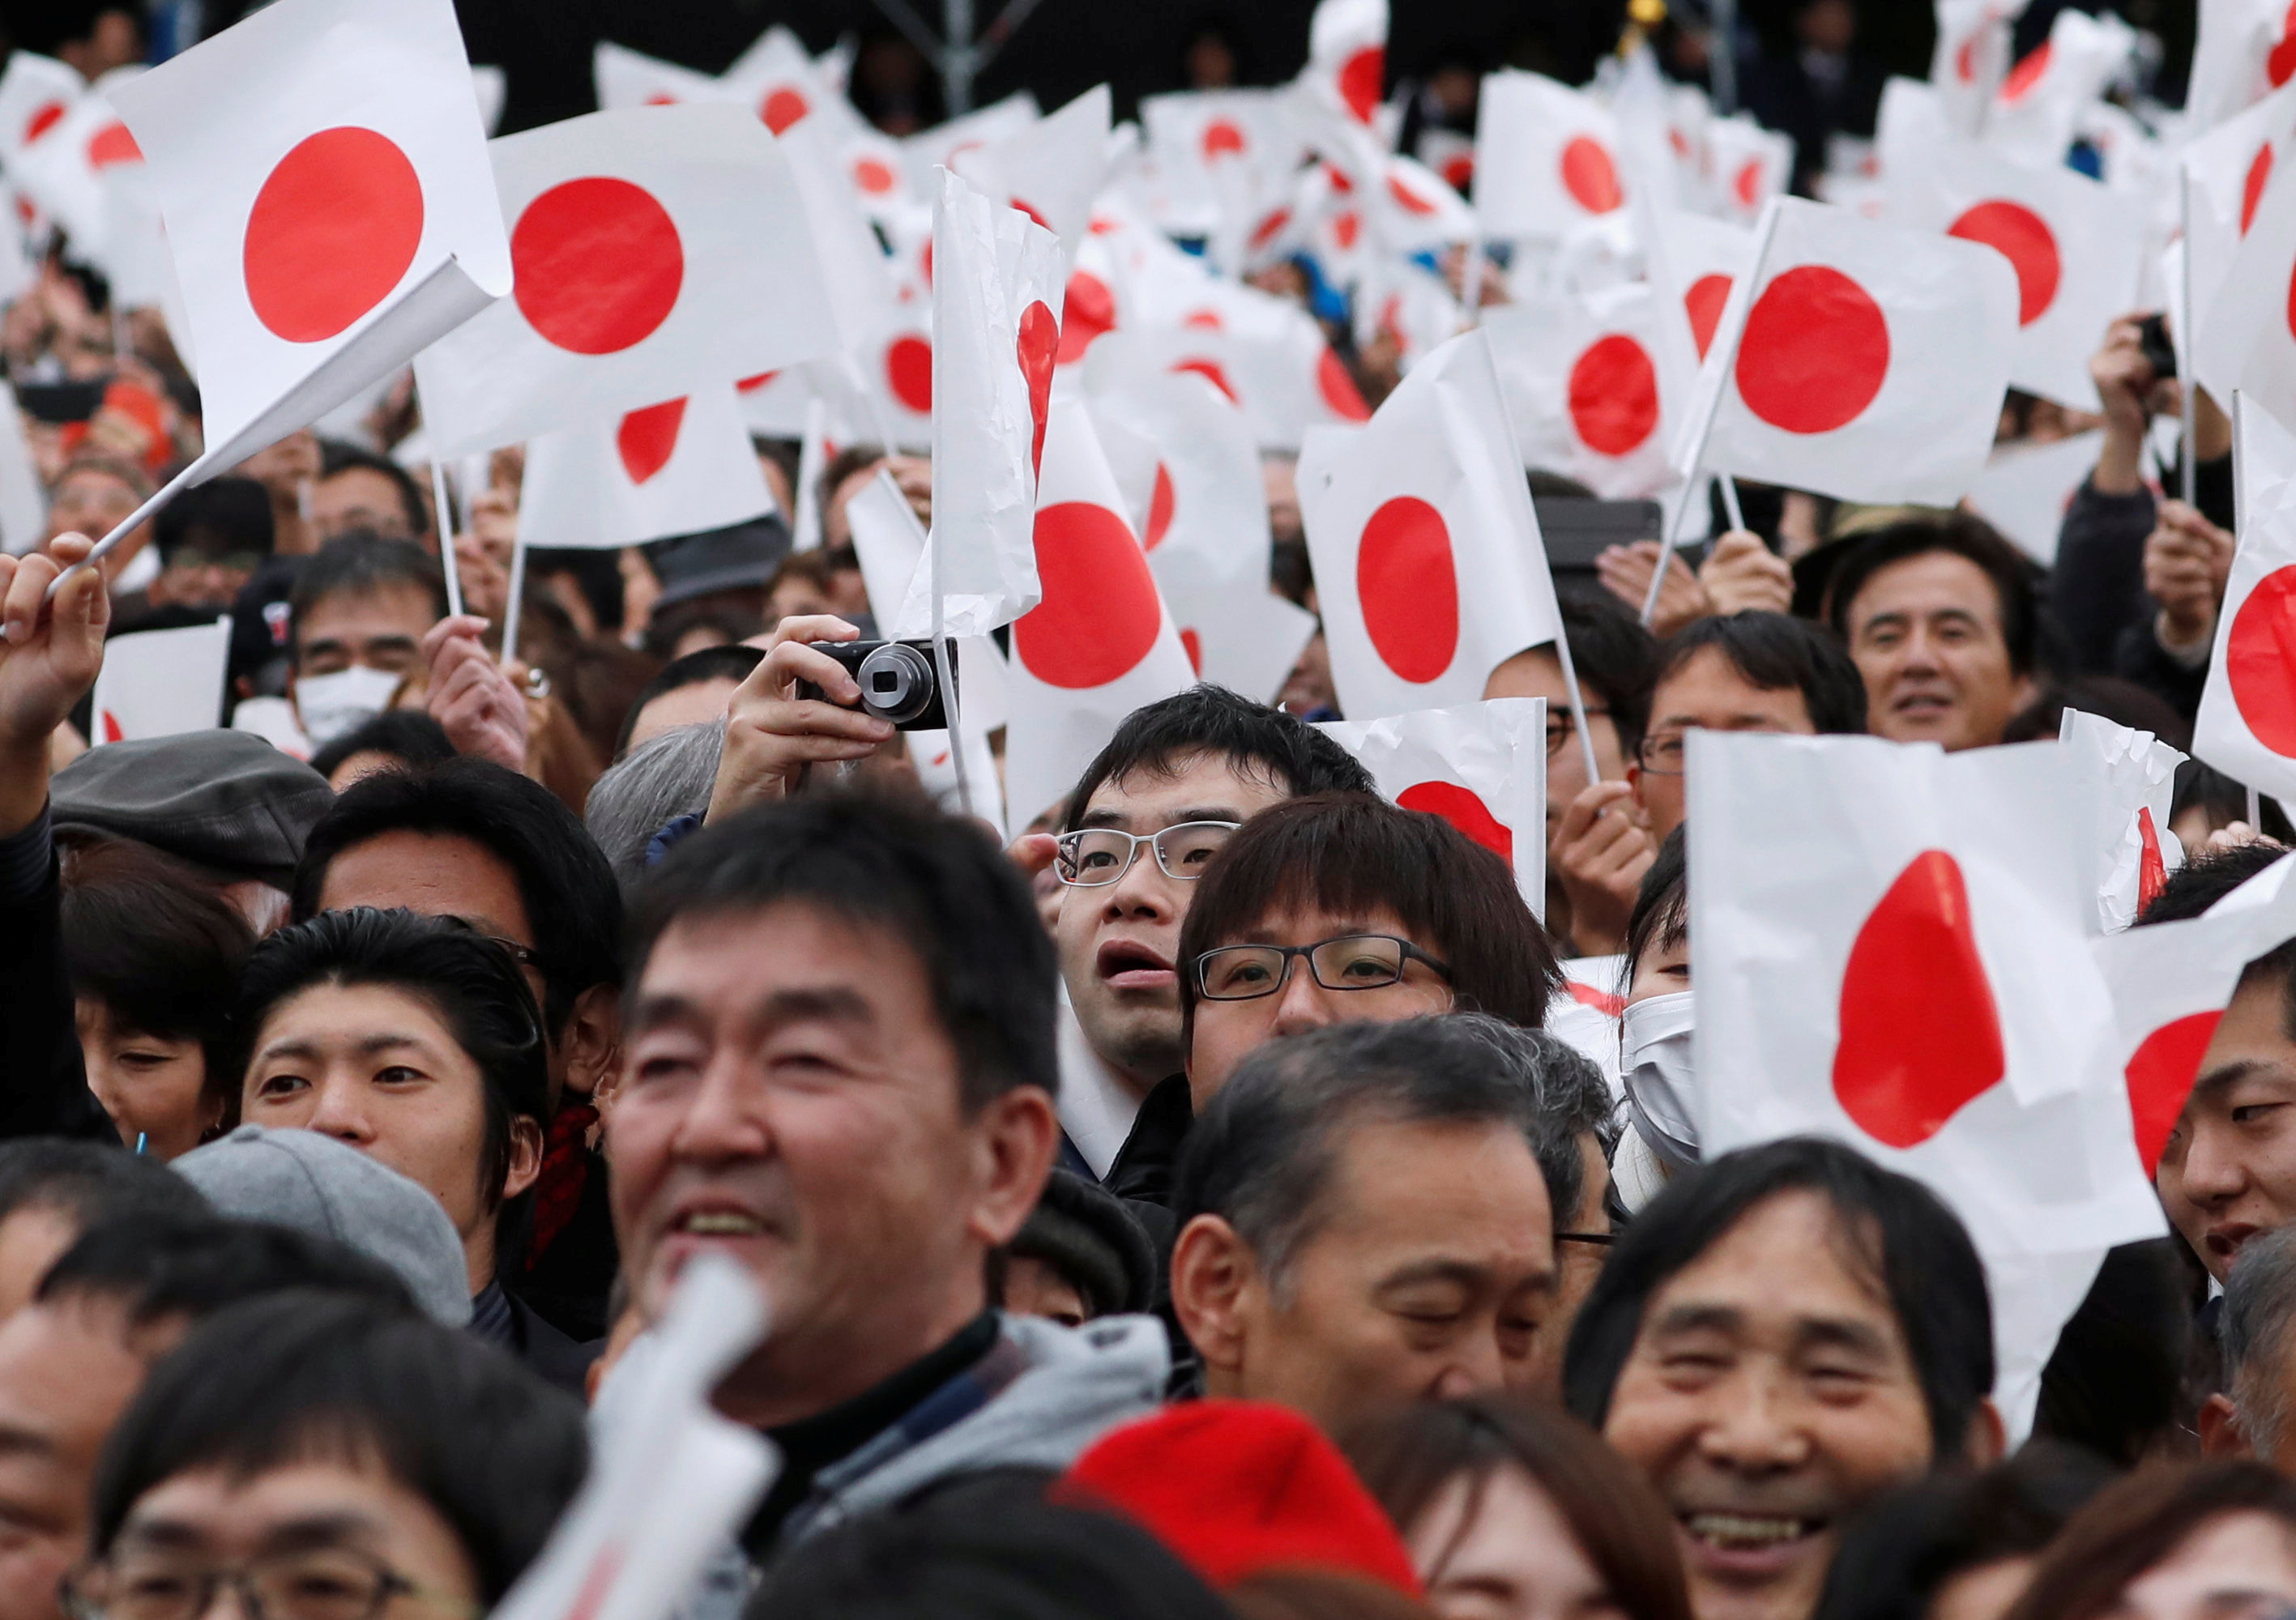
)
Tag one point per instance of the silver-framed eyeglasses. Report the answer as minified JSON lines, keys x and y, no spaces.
{"x":1091,"y":856}
{"x":310,"y":1583}
{"x":1352,"y":961}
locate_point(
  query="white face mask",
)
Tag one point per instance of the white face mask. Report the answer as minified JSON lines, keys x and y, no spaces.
{"x":1661,"y":1088}
{"x":332,"y":705}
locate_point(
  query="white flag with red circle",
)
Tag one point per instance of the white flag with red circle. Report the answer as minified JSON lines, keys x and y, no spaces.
{"x":2227,"y":170}
{"x":70,"y":169}
{"x":2040,"y":102}
{"x":1861,"y":360}
{"x":1971,"y":58}
{"x":160,"y":683}
{"x":2247,"y":723}
{"x":656,"y":249}
{"x":1428,"y":566}
{"x":2243,"y":50}
{"x":2078,"y":249}
{"x":782,"y":84}
{"x":1590,"y":387}
{"x":1050,"y":171}
{"x":1693,"y":261}
{"x":1415,"y":209}
{"x":1480,"y":766}
{"x":1100,"y":643}
{"x":1888,"y":944}
{"x":1749,"y":165}
{"x":2128,"y":778}
{"x":1347,"y":57}
{"x":2247,"y":329}
{"x":943,"y":143}
{"x":1265,"y":354}
{"x":326,"y":230}
{"x":624,"y":77}
{"x":675,"y":467}
{"x":1546,"y":158}
{"x":36,"y":93}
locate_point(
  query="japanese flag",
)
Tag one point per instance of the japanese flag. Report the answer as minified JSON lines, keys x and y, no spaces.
{"x":1862,"y":361}
{"x":1100,"y":643}
{"x":1050,"y":171}
{"x":36,"y":93}
{"x":1694,"y":262}
{"x":2040,"y":102}
{"x":2248,"y":330}
{"x":1415,"y":209}
{"x":1887,"y":943}
{"x":674,"y":468}
{"x":1750,"y":166}
{"x":1428,"y":560}
{"x":325,"y":231}
{"x":1265,"y":353}
{"x":2128,"y":778}
{"x":1972,"y":58}
{"x":781,"y":84}
{"x":2247,"y":723}
{"x":2076,"y":247}
{"x":1588,"y":384}
{"x":2227,"y":170}
{"x":2245,"y":49}
{"x":1347,"y":57}
{"x":1480,"y":766}
{"x":2025,"y":489}
{"x":655,"y":250}
{"x":624,"y":77}
{"x":1546,"y":158}
{"x":68,"y":171}
{"x":158,"y":682}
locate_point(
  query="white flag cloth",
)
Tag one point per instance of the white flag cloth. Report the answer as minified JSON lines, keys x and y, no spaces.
{"x":160,"y":683}
{"x":1414,"y":208}
{"x":325,"y":231}
{"x":1480,"y":766}
{"x":1693,"y":261}
{"x":36,"y":93}
{"x":1546,"y":158}
{"x":1100,"y":643}
{"x":936,"y":147}
{"x":624,"y":77}
{"x":1347,"y":56}
{"x":2247,"y":723}
{"x":1591,"y":386}
{"x":676,"y":467}
{"x":67,"y":172}
{"x":2244,"y":49}
{"x":1971,"y":58}
{"x":1265,"y":353}
{"x":23,"y":504}
{"x":1428,"y":560}
{"x":1750,"y":164}
{"x":1864,"y":361}
{"x":1888,"y":946}
{"x":2076,"y":247}
{"x":1050,"y":171}
{"x":655,"y":249}
{"x":996,"y":334}
{"x":2248,"y":330}
{"x":2129,"y":778}
{"x":2040,"y":103}
{"x":2228,"y":169}
{"x":2025,"y":489}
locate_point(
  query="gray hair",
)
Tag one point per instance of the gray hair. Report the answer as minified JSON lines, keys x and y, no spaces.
{"x":647,"y":789}
{"x":1570,"y":1099}
{"x":2260,"y":1305}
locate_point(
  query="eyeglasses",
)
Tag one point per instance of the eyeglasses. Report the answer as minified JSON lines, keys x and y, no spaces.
{"x":1601,"y":1240}
{"x":1560,"y":725}
{"x":321,"y":1583}
{"x":525,"y":956}
{"x":1353,"y":961}
{"x":1092,"y":857}
{"x":1661,"y":756}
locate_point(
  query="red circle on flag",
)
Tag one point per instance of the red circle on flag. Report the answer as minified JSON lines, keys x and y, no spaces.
{"x":751,"y":385}
{"x":1748,"y":185}
{"x":1964,"y":61}
{"x":1346,"y":227}
{"x":783,"y":108}
{"x":648,"y":438}
{"x":1408,"y":588}
{"x":112,"y":145}
{"x":2160,"y":1074}
{"x":2251,"y":190}
{"x":1459,"y":169}
{"x":1703,"y":304}
{"x":1589,"y":176}
{"x":597,"y":264}
{"x":1210,"y":371}
{"x":1088,"y":311}
{"x":908,"y":372}
{"x":1361,"y":77}
{"x":1340,"y":181}
{"x":1339,"y":390}
{"x":1038,"y":343}
{"x":332,"y":230}
{"x":2282,"y":62}
{"x":2024,"y":239}
{"x":1203,"y":320}
{"x":2027,"y":73}
{"x":2257,"y":661}
{"x":1464,"y":810}
{"x":1100,"y":613}
{"x":1160,"y":509}
{"x":1815,"y":351}
{"x":873,"y":175}
{"x":1411,"y":200}
{"x":1614,"y":395}
{"x":1030,"y":211}
{"x":1271,"y":227}
{"x":1221,"y":137}
{"x":1192,"y":645}
{"x":45,"y":117}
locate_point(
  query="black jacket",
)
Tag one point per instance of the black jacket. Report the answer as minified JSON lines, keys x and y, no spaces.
{"x":42,"y":1081}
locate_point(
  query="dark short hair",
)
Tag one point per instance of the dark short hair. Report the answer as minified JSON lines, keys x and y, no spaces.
{"x":674,"y":622}
{"x":2208,"y":877}
{"x":336,"y":456}
{"x":733,"y":662}
{"x":361,"y":563}
{"x":1263,"y":1154}
{"x":225,"y":514}
{"x":1772,"y":652}
{"x":157,"y":1268}
{"x":2136,"y":1521}
{"x":302,"y":1374}
{"x":1915,"y":1248}
{"x":1614,"y":657}
{"x":471,"y":982}
{"x":408,"y":735}
{"x":91,"y":1182}
{"x":1408,"y":1457}
{"x":932,"y":882}
{"x":1354,"y":852}
{"x":158,"y":946}
{"x":1278,"y":749}
{"x":1661,"y":914}
{"x":571,"y":901}
{"x":2015,"y":578}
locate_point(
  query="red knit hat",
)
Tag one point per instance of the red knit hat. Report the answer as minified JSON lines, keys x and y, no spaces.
{"x":1236,"y":1487}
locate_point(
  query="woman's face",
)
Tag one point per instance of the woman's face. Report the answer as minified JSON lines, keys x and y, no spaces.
{"x":1515,"y":1559}
{"x":153,"y":1087}
{"x":2239,"y":1566}
{"x":1663,"y":970}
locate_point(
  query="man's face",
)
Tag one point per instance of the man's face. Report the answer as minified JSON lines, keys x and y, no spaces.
{"x":1926,"y":634}
{"x":1769,"y":1396}
{"x":1538,"y":674}
{"x":381,"y":629}
{"x":1578,"y":1262}
{"x":358,"y":498}
{"x":32,"y":1237}
{"x":791,"y":1100}
{"x":1228,"y":1032}
{"x":66,"y":1374}
{"x":199,"y":577}
{"x":1118,"y":941}
{"x":1424,"y":1278}
{"x":90,"y":501}
{"x":2228,"y":1170}
{"x":1706,"y":692}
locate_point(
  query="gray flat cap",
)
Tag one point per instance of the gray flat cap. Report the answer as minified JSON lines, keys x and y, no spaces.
{"x":223,"y":799}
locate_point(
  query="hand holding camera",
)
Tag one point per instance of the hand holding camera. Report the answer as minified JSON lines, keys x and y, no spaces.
{"x":800,"y":707}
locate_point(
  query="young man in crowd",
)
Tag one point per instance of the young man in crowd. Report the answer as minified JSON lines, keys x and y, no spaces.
{"x":359,"y":490}
{"x":1781,"y":1337}
{"x":359,"y":610}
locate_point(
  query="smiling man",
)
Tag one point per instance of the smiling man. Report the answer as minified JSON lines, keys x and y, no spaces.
{"x":1780,"y":1337}
{"x":1941,"y":617}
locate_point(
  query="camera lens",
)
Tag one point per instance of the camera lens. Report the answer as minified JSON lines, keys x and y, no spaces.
{"x":897,"y":683}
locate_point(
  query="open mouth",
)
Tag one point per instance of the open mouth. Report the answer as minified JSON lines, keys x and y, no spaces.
{"x":1748,"y":1546}
{"x":1125,"y":964}
{"x":717,"y":1223}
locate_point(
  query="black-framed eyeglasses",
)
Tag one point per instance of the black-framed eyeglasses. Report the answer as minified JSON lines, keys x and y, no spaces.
{"x":1352,"y":961}
{"x":1662,"y":756}
{"x":1559,"y":726}
{"x":1092,"y":857}
{"x":314,"y":1584}
{"x":1602,"y":1240}
{"x":525,"y":956}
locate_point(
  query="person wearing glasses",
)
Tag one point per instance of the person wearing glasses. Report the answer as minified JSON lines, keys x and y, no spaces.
{"x":1341,"y":909}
